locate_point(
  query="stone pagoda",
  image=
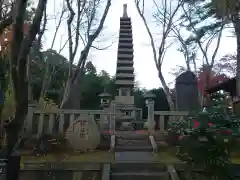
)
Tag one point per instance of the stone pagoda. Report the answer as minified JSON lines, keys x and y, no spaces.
{"x":125,"y":108}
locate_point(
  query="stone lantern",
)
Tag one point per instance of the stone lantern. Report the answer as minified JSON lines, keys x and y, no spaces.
{"x":150,"y":104}
{"x":105,"y":99}
{"x":149,"y":97}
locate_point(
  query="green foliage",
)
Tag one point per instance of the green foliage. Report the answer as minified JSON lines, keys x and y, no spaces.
{"x":206,"y":18}
{"x":51,"y":64}
{"x":93,"y":85}
{"x":227,"y":64}
{"x":208,"y":137}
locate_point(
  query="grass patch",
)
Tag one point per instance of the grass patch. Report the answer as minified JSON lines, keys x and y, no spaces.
{"x":97,"y":156}
{"x":235,"y":160}
{"x":167,"y":157}
{"x":170,"y":157}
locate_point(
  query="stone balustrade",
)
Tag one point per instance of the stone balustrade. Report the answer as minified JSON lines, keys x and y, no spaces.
{"x":48,"y":121}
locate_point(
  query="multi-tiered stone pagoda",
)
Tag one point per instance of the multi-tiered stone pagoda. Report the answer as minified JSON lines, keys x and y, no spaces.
{"x":125,"y":109}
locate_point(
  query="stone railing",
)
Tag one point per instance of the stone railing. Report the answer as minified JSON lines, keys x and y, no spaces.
{"x":163,"y":116}
{"x":50,"y":121}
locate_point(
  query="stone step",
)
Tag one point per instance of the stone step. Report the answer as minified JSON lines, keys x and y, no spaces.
{"x":142,"y":171}
{"x":133,"y":142}
{"x":140,"y":176}
{"x":134,"y":157}
{"x":132,"y":136}
{"x":137,"y":167}
{"x":134,"y":148}
{"x":143,"y":138}
{"x":133,"y":145}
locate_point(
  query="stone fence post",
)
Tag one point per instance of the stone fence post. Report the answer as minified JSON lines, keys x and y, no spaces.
{"x":106,"y":105}
{"x":150,"y":105}
{"x":31,"y":107}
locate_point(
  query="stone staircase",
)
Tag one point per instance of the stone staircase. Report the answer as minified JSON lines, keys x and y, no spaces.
{"x":139,"y":171}
{"x":133,"y":142}
{"x":135,"y":159}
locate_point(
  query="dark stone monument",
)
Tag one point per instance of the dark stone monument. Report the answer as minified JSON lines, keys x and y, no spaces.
{"x":187,"y":95}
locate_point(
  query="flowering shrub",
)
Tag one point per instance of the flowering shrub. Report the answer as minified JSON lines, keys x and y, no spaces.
{"x":206,"y":139}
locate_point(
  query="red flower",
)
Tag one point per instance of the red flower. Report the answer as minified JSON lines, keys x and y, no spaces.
{"x":227,"y":131}
{"x":196,"y":124}
{"x":210,"y":124}
{"x":205,"y":94}
{"x":180,"y":137}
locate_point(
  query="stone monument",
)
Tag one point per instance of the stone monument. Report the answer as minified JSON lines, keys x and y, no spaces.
{"x":187,"y":94}
{"x":83,"y":134}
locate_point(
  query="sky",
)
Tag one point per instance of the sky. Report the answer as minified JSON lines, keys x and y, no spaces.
{"x":145,"y":70}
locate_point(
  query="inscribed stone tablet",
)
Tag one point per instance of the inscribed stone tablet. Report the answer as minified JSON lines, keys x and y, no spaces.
{"x":83,"y":133}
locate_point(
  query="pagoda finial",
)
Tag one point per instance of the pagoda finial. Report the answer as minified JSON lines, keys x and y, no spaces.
{"x":125,"y":10}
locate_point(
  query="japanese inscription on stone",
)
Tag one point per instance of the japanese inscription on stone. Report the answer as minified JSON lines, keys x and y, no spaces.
{"x":83,"y":133}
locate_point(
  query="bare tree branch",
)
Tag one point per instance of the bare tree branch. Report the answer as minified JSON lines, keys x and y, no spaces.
{"x":89,"y":10}
{"x":218,"y":44}
{"x":58,"y":26}
{"x":91,"y":38}
{"x":70,"y":41}
{"x":167,"y":16}
{"x":41,"y":32}
{"x":204,"y":52}
{"x":46,"y":77}
{"x":104,"y":48}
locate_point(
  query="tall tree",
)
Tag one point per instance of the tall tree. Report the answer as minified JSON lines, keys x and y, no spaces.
{"x":85,"y":20}
{"x":50,"y":68}
{"x":19,"y":49}
{"x":222,"y":10}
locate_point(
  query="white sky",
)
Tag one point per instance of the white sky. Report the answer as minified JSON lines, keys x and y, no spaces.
{"x":146,"y":73}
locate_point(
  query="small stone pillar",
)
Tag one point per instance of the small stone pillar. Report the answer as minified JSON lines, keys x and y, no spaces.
{"x":112,"y":118}
{"x":31,"y":106}
{"x":236,"y":106}
{"x":106,"y":99}
{"x":150,"y":104}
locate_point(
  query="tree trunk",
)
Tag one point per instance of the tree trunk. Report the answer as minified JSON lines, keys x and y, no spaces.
{"x":236,"y":103}
{"x":15,"y":125}
{"x":167,"y":91}
{"x":45,"y":79}
{"x":237,"y":31}
{"x":66,"y":94}
{"x":72,"y":94}
{"x":19,"y":50}
{"x":206,"y":99}
{"x":2,"y":132}
{"x":71,"y":98}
